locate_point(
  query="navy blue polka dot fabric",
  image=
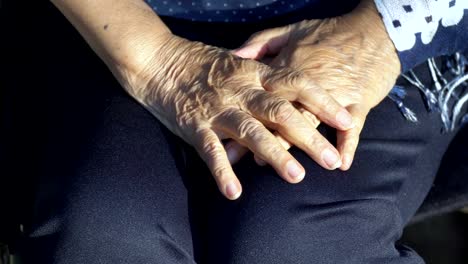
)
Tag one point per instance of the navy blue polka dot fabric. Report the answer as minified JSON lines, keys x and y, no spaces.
{"x":225,"y":10}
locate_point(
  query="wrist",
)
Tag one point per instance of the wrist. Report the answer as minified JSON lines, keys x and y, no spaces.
{"x":163,"y":67}
{"x":134,"y":52}
{"x":136,"y":63}
{"x":375,"y":48}
{"x":367,"y":19}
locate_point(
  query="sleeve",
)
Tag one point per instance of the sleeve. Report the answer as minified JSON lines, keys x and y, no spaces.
{"x":421,"y":29}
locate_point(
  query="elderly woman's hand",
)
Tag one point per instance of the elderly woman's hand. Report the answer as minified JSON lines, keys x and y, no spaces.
{"x":205,"y":94}
{"x":351,"y":57}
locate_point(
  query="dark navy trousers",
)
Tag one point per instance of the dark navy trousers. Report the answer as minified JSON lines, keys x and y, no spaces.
{"x":117,"y":187}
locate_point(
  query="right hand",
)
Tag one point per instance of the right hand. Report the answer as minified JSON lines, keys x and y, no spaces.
{"x":352,"y":57}
{"x":205,"y":94}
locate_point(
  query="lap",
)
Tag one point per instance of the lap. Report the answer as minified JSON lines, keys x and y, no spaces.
{"x":333,"y":216}
{"x":125,"y":201}
{"x":140,"y":194}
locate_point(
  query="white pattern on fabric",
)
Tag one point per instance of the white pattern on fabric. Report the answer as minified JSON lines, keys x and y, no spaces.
{"x":226,"y":10}
{"x":404,"y":19}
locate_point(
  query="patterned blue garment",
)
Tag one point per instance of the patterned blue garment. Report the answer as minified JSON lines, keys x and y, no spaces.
{"x":425,"y":28}
{"x":421,"y":29}
{"x":225,"y":10}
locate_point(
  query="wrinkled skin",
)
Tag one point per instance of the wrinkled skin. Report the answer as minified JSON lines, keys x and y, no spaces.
{"x":351,"y":57}
{"x":205,"y":94}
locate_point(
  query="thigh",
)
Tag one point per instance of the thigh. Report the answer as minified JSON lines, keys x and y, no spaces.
{"x":126,"y":200}
{"x":111,"y":186}
{"x":333,"y":216}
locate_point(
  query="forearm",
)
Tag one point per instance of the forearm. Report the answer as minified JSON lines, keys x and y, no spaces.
{"x":123,"y":33}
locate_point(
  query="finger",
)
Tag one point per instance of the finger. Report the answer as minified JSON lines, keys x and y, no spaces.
{"x":251,"y":133}
{"x":211,"y":150}
{"x":236,"y":151}
{"x":294,"y":86}
{"x":286,"y":145}
{"x":280,"y":115}
{"x":267,"y":42}
{"x":311,"y":118}
{"x":347,"y":141}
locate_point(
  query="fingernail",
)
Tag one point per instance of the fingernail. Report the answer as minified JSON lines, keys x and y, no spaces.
{"x":345,"y":119}
{"x":294,"y":170}
{"x":232,"y":155}
{"x":232,"y":191}
{"x":331,"y":159}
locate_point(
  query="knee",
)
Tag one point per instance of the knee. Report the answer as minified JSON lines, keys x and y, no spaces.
{"x":293,"y":231}
{"x":109,"y":233}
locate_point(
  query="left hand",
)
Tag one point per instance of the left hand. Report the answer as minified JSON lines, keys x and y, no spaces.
{"x":352,"y":57}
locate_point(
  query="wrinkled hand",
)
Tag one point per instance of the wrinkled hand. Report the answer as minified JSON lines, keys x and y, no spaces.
{"x":205,"y":94}
{"x":351,"y":57}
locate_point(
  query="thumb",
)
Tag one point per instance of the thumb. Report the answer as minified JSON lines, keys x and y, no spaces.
{"x":266,"y":42}
{"x":347,"y":141}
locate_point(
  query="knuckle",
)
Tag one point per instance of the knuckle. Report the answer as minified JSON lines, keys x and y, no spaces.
{"x":250,"y":69}
{"x":281,"y":112}
{"x":327,"y":105}
{"x":314,"y":140}
{"x":249,"y":127}
{"x":310,"y":117}
{"x":273,"y":152}
{"x":221,"y":173}
{"x":297,"y":79}
{"x":211,"y":150}
{"x":287,"y":78}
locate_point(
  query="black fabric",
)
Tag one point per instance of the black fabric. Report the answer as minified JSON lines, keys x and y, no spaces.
{"x":114,"y":186}
{"x":450,"y":189}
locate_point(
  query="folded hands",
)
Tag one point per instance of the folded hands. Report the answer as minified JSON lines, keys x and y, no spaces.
{"x":272,"y":92}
